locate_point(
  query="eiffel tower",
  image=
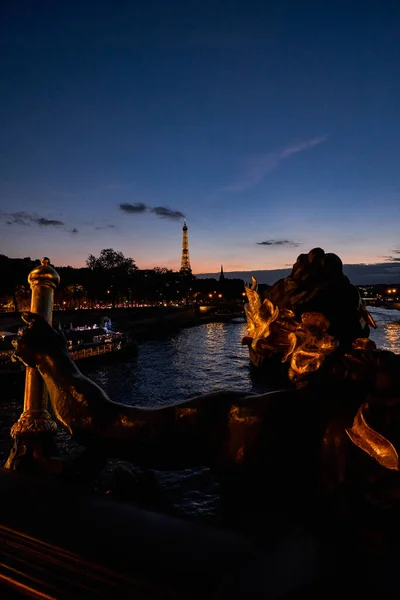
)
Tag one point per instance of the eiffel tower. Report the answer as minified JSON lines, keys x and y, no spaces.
{"x":185,"y":262}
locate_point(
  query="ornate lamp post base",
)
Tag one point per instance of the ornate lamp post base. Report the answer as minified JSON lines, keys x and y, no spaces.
{"x":33,"y":422}
{"x":33,"y":436}
{"x":34,"y":431}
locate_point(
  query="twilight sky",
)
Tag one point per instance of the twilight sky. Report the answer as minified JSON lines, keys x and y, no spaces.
{"x":273,"y":127}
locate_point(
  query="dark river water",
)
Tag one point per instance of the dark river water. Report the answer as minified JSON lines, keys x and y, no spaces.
{"x":204,"y":359}
{"x":194,"y":361}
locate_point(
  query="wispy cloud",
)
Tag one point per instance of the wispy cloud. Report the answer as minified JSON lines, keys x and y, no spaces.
{"x":98,"y":227}
{"x":133,"y":208}
{"x":23,"y":218}
{"x":29,"y":219}
{"x":47,"y":222}
{"x":160,"y":211}
{"x":392,"y":258}
{"x":167,"y":213}
{"x":257,"y":167}
{"x":279,"y":243}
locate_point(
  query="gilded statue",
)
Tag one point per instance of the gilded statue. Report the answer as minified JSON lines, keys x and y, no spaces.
{"x":305,"y":317}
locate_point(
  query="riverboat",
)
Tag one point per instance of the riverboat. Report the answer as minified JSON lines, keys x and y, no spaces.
{"x":87,"y":343}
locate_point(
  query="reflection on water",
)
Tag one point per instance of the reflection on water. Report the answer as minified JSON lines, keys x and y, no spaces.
{"x":194,"y":361}
{"x":387,"y":335}
{"x":203,"y":359}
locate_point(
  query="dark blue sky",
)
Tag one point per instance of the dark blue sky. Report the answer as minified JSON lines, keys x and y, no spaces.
{"x":258,"y":121}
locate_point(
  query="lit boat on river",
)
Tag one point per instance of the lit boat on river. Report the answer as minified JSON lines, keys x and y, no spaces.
{"x":86,"y":343}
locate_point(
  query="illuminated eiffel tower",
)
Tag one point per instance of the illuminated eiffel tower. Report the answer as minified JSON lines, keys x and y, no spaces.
{"x":185,"y":262}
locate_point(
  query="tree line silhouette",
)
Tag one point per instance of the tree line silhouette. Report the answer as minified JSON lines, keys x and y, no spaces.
{"x":111,"y":279}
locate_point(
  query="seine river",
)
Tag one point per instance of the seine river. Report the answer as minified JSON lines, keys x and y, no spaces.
{"x":194,"y":361}
{"x":203,"y":359}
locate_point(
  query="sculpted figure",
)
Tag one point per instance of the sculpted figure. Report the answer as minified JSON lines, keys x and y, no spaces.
{"x":317,"y":284}
{"x":303,"y":318}
{"x":282,"y":447}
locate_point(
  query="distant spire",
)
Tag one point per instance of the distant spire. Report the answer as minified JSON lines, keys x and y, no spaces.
{"x":222,"y":276}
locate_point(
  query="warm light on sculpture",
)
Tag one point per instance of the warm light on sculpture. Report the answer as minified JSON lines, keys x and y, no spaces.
{"x":306,"y":316}
{"x":371,"y":442}
{"x":304,"y":344}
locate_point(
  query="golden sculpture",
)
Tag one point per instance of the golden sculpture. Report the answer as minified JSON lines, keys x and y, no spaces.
{"x":303,"y":343}
{"x":372,"y":442}
{"x":306,"y":316}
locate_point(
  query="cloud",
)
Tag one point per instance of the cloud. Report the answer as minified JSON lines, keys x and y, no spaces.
{"x":29,"y":219}
{"x":392,"y":258}
{"x":160,"y":211}
{"x":278,"y":243}
{"x":167,"y":213}
{"x":256,"y":168}
{"x":23,"y":218}
{"x":105,"y":227}
{"x":19,"y":218}
{"x":133,"y":208}
{"x":48,"y":222}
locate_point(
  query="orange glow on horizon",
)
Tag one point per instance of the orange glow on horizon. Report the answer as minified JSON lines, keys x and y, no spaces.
{"x":213,"y":265}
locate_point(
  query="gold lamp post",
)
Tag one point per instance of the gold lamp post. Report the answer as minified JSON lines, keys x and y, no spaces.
{"x":35,"y":428}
